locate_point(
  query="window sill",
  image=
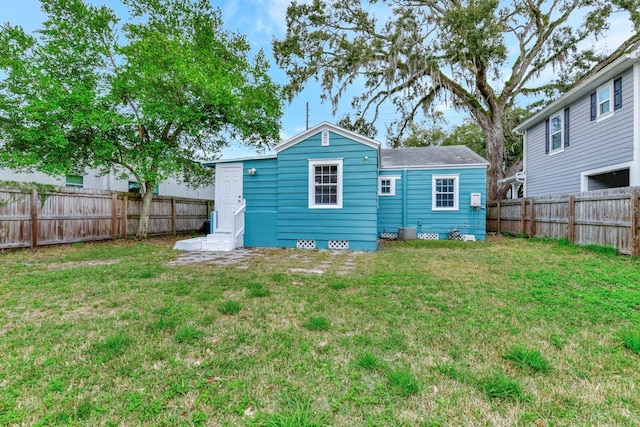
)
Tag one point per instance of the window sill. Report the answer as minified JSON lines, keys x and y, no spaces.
{"x":326,"y":207}
{"x":605,"y":116}
{"x":557,"y":151}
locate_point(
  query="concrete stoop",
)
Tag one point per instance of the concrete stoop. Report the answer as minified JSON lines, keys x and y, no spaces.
{"x":212,"y":242}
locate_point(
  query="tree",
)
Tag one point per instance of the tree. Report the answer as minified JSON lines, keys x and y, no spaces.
{"x":478,"y":55}
{"x":358,"y":125}
{"x":148,"y":97}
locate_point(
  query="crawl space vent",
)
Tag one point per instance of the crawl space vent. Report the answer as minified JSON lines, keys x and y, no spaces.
{"x":338,"y":244}
{"x":428,"y":236}
{"x":306,"y":244}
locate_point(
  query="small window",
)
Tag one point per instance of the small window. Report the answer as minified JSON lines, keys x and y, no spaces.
{"x":445,"y":192}
{"x":325,"y":184}
{"x":75,"y":181}
{"x":134,"y":187}
{"x":604,"y":96}
{"x":387,"y":185}
{"x":556,"y":132}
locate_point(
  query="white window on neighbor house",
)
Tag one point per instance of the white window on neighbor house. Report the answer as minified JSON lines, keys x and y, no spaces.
{"x":445,"y":192}
{"x":75,"y":181}
{"x":604,"y":96}
{"x":556,"y":131}
{"x":387,"y":185}
{"x":325,"y":184}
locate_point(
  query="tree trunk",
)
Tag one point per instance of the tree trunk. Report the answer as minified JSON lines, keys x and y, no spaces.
{"x":145,"y":211}
{"x":494,"y":135}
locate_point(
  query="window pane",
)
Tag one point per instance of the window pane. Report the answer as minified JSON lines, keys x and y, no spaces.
{"x":556,"y":141}
{"x":445,"y":193}
{"x":556,"y":124}
{"x":75,"y":181}
{"x":604,"y":94}
{"x":605,"y":107}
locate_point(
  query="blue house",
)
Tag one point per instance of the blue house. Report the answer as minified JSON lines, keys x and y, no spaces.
{"x":330,"y":188}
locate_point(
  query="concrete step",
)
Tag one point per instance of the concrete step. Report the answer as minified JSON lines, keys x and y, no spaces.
{"x":213,"y":242}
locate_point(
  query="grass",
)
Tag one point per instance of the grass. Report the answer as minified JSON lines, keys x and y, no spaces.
{"x":502,"y":386}
{"x":229,"y":307}
{"x":508,"y":332}
{"x":528,"y":359}
{"x":631,"y":340}
{"x":317,"y":324}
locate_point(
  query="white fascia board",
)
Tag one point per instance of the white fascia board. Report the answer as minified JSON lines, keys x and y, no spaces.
{"x":436,"y":167}
{"x":585,"y":87}
{"x":210,"y":163}
{"x":332,"y":128}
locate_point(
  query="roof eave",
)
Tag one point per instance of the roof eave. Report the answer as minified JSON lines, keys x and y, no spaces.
{"x":331,"y":127}
{"x":212,"y":163}
{"x":582,"y":89}
{"x":438,"y":166}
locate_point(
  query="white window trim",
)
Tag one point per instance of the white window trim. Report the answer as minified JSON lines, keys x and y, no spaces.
{"x":603,"y":116}
{"x":392,"y":189}
{"x":560,"y":149}
{"x":584,"y":175}
{"x":456,"y":192}
{"x":312,"y":187}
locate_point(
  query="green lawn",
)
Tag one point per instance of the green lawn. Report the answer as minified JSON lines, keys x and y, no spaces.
{"x":525,"y":332}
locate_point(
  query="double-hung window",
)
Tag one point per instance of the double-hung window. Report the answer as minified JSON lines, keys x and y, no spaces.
{"x":325,"y":184}
{"x":605,"y":94}
{"x":606,"y":99}
{"x":445,"y":192}
{"x":556,"y":131}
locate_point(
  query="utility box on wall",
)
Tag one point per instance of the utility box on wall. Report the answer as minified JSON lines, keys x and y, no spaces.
{"x":476,"y":200}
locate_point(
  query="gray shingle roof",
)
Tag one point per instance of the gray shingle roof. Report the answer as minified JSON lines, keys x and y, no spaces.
{"x":430,"y":156}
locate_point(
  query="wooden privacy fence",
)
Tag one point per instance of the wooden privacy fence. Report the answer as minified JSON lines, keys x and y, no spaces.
{"x":601,"y":217}
{"x":29,"y":218}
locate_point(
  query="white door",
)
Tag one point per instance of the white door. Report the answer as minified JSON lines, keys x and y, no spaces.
{"x":228,"y":197}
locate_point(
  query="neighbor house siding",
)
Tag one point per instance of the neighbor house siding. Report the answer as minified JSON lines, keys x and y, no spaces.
{"x":419,"y":203}
{"x":261,"y":194}
{"x":592,"y":145}
{"x":355,"y":221}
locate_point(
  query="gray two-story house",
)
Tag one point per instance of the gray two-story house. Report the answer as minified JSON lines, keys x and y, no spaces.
{"x":589,"y":139}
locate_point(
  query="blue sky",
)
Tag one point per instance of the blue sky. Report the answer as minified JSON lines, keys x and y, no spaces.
{"x":261,"y":21}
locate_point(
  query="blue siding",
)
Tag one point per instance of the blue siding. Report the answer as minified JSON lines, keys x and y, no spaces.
{"x":418,"y":207}
{"x":356,"y":221}
{"x":261,"y":194}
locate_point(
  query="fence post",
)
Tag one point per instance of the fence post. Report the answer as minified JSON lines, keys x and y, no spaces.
{"x":125,"y":220}
{"x":571,"y":233}
{"x":634,"y":222}
{"x":532,"y":218}
{"x":34,"y":219}
{"x":523,"y":216}
{"x":173,"y":216}
{"x":114,"y":216}
{"x":499,"y":225}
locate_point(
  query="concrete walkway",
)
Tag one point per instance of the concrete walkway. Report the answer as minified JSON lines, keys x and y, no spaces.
{"x":342,"y":263}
